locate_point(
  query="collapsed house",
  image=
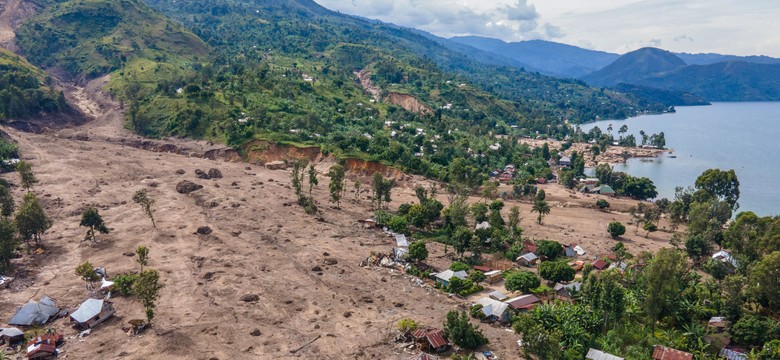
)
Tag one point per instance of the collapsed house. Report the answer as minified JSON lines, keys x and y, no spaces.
{"x":35,"y":312}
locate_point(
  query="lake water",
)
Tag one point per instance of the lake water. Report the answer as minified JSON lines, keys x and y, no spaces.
{"x":740,"y":136}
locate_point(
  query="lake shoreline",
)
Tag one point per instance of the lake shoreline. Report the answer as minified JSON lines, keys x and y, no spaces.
{"x":613,"y":156}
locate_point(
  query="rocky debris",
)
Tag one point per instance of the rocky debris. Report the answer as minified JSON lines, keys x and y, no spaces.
{"x":129,"y":254}
{"x":398,"y":304}
{"x":234,"y":183}
{"x":186,"y":187}
{"x":316,"y":268}
{"x":250,"y":298}
{"x":276,"y":165}
{"x":235,"y":232}
{"x":204,"y":230}
{"x":331,"y":261}
{"x":180,"y":172}
{"x":255,"y":332}
{"x":202,"y":174}
{"x":215,"y":174}
{"x":347,"y":314}
{"x":367,"y":300}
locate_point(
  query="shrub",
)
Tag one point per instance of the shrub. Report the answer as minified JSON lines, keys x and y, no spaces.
{"x":522,"y":281}
{"x":406,"y":324}
{"x":398,"y":224}
{"x":458,"y":266}
{"x":477,"y":277}
{"x":124,"y":283}
{"x":476,"y":312}
{"x":615,"y":229}
{"x":556,"y":271}
{"x":602,"y":204}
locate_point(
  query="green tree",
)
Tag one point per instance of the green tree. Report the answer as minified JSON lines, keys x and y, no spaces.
{"x":697,"y":248}
{"x":765,"y":280}
{"x":722,"y":184}
{"x":87,"y":273}
{"x":142,"y":256}
{"x":312,"y":179}
{"x":462,"y":239}
{"x":26,"y":175}
{"x":142,"y":198}
{"x":616,"y":229}
{"x":461,"y":332}
{"x":664,"y":277}
{"x":542,"y":208}
{"x":297,"y":177}
{"x":604,"y":292}
{"x":477,"y":277}
{"x":602,"y":204}
{"x":455,"y":214}
{"x":479,"y":212}
{"x":556,"y":271}
{"x":514,"y":221}
{"x":750,"y":330}
{"x":8,"y":244}
{"x":92,"y":219}
{"x":7,"y":204}
{"x":417,"y":251}
{"x":406,"y":325}
{"x":549,"y":249}
{"x":31,"y":220}
{"x":147,"y":287}
{"x":398,"y":224}
{"x":522,"y":281}
{"x":336,"y":185}
{"x":357,"y":190}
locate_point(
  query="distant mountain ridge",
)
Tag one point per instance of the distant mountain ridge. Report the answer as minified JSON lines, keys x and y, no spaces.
{"x":635,"y":66}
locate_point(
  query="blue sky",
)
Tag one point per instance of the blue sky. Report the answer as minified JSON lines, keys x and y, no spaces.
{"x":740,"y":27}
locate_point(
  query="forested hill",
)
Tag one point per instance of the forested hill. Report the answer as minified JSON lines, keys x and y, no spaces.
{"x":284,"y":70}
{"x":24,"y":90}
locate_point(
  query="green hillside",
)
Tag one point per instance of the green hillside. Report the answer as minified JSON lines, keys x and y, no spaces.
{"x":23,"y":89}
{"x":88,"y":38}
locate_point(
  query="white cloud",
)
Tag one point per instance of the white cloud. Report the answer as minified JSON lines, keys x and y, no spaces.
{"x":741,"y":27}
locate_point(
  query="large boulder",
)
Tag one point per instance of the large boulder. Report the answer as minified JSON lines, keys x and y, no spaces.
{"x":186,"y":187}
{"x":215,"y":173}
{"x":276,"y":165}
{"x":201,"y":174}
{"x":204,"y":230}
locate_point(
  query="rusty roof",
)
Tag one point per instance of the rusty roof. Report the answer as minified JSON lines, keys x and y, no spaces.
{"x":523,"y":302}
{"x":436,"y":338}
{"x":419,"y":333}
{"x":600,"y":264}
{"x":665,"y":353}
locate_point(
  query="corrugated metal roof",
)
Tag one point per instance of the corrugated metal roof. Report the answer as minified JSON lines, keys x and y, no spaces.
{"x":400,"y":240}
{"x":11,"y":332}
{"x":35,"y":312}
{"x":600,"y":264}
{"x":436,"y":338}
{"x":665,"y":353}
{"x":87,"y":310}
{"x":523,"y":302}
{"x":594,"y":354}
{"x":491,"y":307}
{"x":446,"y":275}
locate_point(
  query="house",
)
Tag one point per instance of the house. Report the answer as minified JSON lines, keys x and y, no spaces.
{"x":541,"y":181}
{"x":564,"y":161}
{"x":665,"y":353}
{"x":589,"y":189}
{"x":566,"y":290}
{"x":590,"y":181}
{"x":717,"y":322}
{"x":506,"y":177}
{"x":725,"y":257}
{"x":482,"y":226}
{"x":579,"y":250}
{"x":497,"y":295}
{"x":494,"y":310}
{"x":594,"y":354}
{"x":492,"y":277}
{"x":92,"y":312}
{"x":606,"y":190}
{"x":484,"y":269}
{"x":600,"y":264}
{"x":445,"y":276}
{"x":528,"y":259}
{"x":529,"y":246}
{"x":44,"y":346}
{"x":731,"y":353}
{"x":10,"y":335}
{"x":400,"y":240}
{"x":576,"y":265}
{"x":430,"y":340}
{"x":35,"y":312}
{"x":620,"y":265}
{"x":523,"y":302}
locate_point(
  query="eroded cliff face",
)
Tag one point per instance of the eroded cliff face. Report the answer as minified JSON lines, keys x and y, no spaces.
{"x":368,"y":168}
{"x":408,"y":103}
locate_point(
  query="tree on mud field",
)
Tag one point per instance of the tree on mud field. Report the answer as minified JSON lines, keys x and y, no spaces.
{"x":92,"y":219}
{"x":142,"y":253}
{"x":31,"y":220}
{"x":297,"y":177}
{"x":312,"y":179}
{"x":87,"y":273}
{"x":461,"y":332}
{"x":381,"y":189}
{"x":602,"y":204}
{"x":7,"y":204}
{"x":541,"y":207}
{"x":336,"y":186}
{"x":616,"y":229}
{"x":142,"y":198}
{"x":147,"y":288}
{"x":26,"y":175}
{"x":357,"y":190}
{"x":417,"y":251}
{"x":8,"y":243}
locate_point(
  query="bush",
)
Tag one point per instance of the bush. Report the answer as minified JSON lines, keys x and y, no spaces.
{"x":522,"y":281}
{"x":750,"y":330}
{"x":602,"y":204}
{"x":458,"y":266}
{"x":550,"y":249}
{"x":124,"y":283}
{"x":615,"y":229}
{"x":398,"y":224}
{"x":477,"y":277}
{"x":461,"y":332}
{"x":556,"y":271}
{"x":405,"y":325}
{"x":476,"y":312}
{"x":382,"y":217}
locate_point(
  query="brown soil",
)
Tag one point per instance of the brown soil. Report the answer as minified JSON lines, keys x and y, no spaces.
{"x":405,"y":101}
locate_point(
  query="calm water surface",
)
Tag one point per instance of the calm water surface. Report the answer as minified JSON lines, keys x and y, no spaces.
{"x":740,"y":136}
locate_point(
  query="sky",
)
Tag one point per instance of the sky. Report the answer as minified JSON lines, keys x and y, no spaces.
{"x":738,"y":27}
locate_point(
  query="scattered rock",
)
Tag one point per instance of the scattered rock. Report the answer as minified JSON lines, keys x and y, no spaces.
{"x":186,"y":187}
{"x":153,"y":184}
{"x":180,"y":172}
{"x":201,"y":174}
{"x":347,"y":314}
{"x":250,"y":298}
{"x":204,"y":230}
{"x":330,"y":261}
{"x":248,"y":168}
{"x":215,"y":174}
{"x":270,"y":180}
{"x":235,"y":232}
{"x":255,"y":332}
{"x":367,"y":300}
{"x":326,"y":254}
{"x":316,"y":268}
{"x":234,"y":183}
{"x":276,"y":165}
{"x":398,"y":304}
{"x":129,"y":254}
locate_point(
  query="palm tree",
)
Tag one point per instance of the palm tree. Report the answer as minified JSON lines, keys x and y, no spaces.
{"x":541,"y":207}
